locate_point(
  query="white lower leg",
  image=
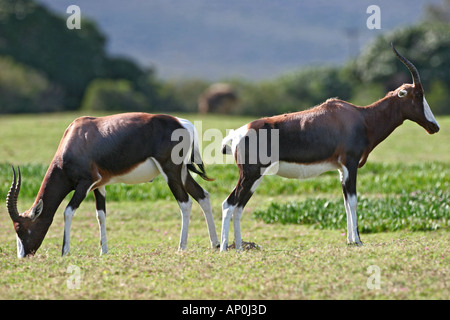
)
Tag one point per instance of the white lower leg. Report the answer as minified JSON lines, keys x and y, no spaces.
{"x":68,"y":215}
{"x":227,"y":212}
{"x":205,"y":204}
{"x":237,"y":228}
{"x":353,"y":235}
{"x":101,"y":217}
{"x":349,"y":220}
{"x":185,"y":208}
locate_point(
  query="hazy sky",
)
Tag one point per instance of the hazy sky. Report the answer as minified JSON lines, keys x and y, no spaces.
{"x":253,"y":39}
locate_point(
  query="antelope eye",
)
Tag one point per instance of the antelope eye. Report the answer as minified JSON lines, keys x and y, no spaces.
{"x":402,"y":93}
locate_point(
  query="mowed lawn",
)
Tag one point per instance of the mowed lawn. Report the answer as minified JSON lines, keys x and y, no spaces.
{"x":407,"y":258}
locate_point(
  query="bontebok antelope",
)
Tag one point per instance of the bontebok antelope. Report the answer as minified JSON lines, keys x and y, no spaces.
{"x":129,"y":148}
{"x":334,"y":135}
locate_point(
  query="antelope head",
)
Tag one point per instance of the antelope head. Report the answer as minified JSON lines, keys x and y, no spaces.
{"x":412,"y":99}
{"x":28,"y":229}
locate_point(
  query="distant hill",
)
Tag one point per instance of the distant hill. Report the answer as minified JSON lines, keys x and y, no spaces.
{"x":253,"y":39}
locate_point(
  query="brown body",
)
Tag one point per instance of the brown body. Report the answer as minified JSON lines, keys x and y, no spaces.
{"x":337,"y":128}
{"x":317,"y":135}
{"x":334,"y":135}
{"x":94,"y":152}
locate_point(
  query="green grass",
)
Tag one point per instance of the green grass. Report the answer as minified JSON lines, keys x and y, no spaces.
{"x":403,"y":190}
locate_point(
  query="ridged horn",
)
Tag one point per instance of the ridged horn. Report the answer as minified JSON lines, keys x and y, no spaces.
{"x":409,"y":65}
{"x":13,"y":194}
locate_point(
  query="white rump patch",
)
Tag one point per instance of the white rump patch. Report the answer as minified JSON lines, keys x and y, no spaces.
{"x":193,"y":138}
{"x":235,"y":137}
{"x":188,"y":126}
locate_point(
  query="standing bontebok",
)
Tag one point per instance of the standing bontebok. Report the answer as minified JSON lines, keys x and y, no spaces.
{"x":334,"y":135}
{"x":129,"y":148}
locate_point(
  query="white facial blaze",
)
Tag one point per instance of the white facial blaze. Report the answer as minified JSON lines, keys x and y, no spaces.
{"x":427,"y":111}
{"x":20,"y":248}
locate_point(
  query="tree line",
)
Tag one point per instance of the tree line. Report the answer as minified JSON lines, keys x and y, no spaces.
{"x":46,"y":68}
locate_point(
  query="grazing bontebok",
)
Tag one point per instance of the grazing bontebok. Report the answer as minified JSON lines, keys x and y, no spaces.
{"x":334,"y":135}
{"x":129,"y":148}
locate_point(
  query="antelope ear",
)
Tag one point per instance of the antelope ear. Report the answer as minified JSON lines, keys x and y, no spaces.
{"x":37,"y":210}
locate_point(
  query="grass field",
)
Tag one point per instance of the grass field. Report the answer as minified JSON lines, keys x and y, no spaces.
{"x":403,"y":213}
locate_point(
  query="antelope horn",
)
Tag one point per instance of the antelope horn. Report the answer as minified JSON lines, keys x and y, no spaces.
{"x":11,"y":199}
{"x":409,"y":65}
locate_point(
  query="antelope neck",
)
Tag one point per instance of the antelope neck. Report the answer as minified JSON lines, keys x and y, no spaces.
{"x":381,"y":118}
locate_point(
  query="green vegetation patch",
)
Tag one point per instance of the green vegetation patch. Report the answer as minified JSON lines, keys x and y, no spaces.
{"x":417,"y":211}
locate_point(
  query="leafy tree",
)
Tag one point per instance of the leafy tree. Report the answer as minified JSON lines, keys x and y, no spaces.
{"x":40,"y":39}
{"x":182,"y":95}
{"x":296,"y":91}
{"x":426,"y":45}
{"x":263,"y":98}
{"x":117,"y":95}
{"x":438,"y":12}
{"x":24,"y":89}
{"x":312,"y":86}
{"x":70,"y":59}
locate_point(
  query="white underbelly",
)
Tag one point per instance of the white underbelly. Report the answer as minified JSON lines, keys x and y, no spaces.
{"x":303,"y":171}
{"x":144,"y":172}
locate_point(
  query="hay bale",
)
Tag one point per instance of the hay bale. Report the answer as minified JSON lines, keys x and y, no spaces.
{"x":218,"y":98}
